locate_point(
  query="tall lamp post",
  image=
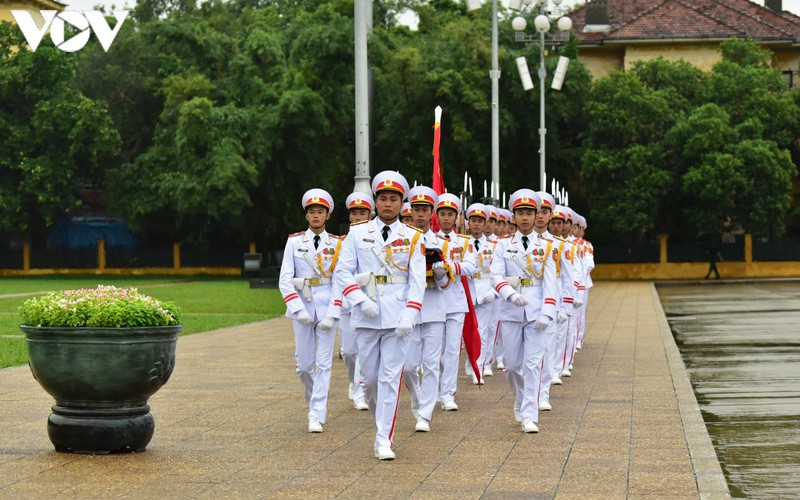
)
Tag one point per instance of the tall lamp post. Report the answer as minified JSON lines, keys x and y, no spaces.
{"x":362,"y":22}
{"x":494,"y":75}
{"x":542,"y":23}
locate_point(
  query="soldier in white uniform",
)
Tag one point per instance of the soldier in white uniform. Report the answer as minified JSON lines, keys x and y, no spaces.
{"x":578,"y":275}
{"x":587,"y":261}
{"x":405,"y":214}
{"x":556,"y":227}
{"x":359,"y":207}
{"x":565,"y":291}
{"x":492,"y":238}
{"x":483,"y":293}
{"x":524,"y":274}
{"x":381,"y":273}
{"x":425,"y":343}
{"x":312,"y":301}
{"x":455,"y":252}
{"x":588,"y":264}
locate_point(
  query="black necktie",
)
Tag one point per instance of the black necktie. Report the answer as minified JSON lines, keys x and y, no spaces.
{"x":477,"y":244}
{"x":385,"y":232}
{"x":447,"y":236}
{"x":316,"y":241}
{"x":525,"y":242}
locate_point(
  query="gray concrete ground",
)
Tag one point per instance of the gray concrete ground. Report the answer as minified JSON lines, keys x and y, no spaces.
{"x":231,"y":423}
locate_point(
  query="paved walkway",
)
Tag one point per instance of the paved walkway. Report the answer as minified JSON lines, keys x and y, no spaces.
{"x":231,"y":423}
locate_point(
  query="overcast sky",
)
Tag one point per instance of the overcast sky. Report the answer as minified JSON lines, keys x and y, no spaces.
{"x":790,"y":5}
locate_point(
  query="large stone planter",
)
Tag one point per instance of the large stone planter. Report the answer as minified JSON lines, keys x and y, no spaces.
{"x":101,"y":379}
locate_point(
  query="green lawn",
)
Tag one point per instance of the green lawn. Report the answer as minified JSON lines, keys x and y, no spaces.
{"x":207,"y":303}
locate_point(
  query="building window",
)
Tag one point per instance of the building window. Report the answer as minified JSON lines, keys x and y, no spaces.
{"x":788,"y":77}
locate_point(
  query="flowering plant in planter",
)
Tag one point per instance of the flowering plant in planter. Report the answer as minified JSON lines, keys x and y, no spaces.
{"x":101,"y":353}
{"x":104,"y":306}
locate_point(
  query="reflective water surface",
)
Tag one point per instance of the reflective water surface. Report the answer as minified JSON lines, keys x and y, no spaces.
{"x":741,"y":346}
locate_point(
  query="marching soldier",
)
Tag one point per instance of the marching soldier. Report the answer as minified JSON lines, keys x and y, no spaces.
{"x":565,"y":291}
{"x":568,"y":272}
{"x":524,"y":275}
{"x":588,"y":263}
{"x":425,"y":343}
{"x":455,"y":251}
{"x":359,"y":207}
{"x":578,"y":275}
{"x":381,"y":273}
{"x":405,"y":214}
{"x":483,"y":293}
{"x":309,"y":260}
{"x":492,"y":237}
{"x":491,"y":223}
{"x":511,"y":225}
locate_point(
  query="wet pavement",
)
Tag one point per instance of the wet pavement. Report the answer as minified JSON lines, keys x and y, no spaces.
{"x":231,"y":423}
{"x":741,"y":345}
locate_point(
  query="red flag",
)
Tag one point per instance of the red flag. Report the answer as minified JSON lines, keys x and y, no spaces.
{"x":469,"y":334}
{"x":438,"y":179}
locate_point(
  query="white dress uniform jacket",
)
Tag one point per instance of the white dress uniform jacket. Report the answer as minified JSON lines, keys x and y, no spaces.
{"x":305,"y":279}
{"x":530,"y":272}
{"x":398,"y":265}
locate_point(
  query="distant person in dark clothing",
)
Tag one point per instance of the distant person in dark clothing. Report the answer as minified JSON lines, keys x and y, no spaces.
{"x":713,"y":257}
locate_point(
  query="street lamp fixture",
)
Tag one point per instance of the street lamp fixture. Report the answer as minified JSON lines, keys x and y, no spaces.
{"x":542,"y":23}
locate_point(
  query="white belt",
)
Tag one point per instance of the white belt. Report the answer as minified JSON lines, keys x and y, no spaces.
{"x":479,"y":276}
{"x":518,"y":282}
{"x":303,"y":284}
{"x":369,"y":281}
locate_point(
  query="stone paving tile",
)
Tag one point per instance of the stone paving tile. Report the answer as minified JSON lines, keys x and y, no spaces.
{"x":231,"y":423}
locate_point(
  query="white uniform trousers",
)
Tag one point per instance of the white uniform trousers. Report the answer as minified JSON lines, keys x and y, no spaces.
{"x":381,"y":355}
{"x":582,"y":326}
{"x":347,"y":339}
{"x":485,"y":314}
{"x":572,"y":338}
{"x":561,"y":346}
{"x":498,"y":339}
{"x":314,"y":348}
{"x":549,"y":359}
{"x":451,"y":348}
{"x":424,"y":351}
{"x":524,"y":350}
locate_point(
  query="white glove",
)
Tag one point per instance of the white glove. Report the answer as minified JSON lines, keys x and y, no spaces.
{"x":577,"y":302}
{"x":542,"y":322}
{"x":327,"y":323}
{"x":487,"y":298}
{"x":438,"y":269}
{"x":404,"y":328}
{"x":518,"y":299}
{"x":561,"y":317}
{"x":369,"y":309}
{"x":304,"y":318}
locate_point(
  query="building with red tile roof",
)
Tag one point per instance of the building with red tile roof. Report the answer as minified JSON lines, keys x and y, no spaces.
{"x":613,"y":34}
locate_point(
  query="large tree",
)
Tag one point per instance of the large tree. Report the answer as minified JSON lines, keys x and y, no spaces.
{"x":53,"y":139}
{"x":674,"y":150}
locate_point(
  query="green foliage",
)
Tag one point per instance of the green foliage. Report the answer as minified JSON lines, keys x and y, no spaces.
{"x":206,"y":122}
{"x":104,"y":306}
{"x":681,"y":152}
{"x":53,"y":139}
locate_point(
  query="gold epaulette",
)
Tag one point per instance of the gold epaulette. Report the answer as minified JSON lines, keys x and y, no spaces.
{"x":357,"y":223}
{"x":297,"y":234}
{"x":412,"y":227}
{"x":336,"y":236}
{"x":467,"y":236}
{"x":545,"y":239}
